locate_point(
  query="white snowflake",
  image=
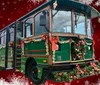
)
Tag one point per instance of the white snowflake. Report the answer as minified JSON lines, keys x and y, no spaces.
{"x":3,"y":4}
{"x":86,"y":82}
{"x":97,"y":3}
{"x":34,"y":1}
{"x":88,"y":2}
{"x":99,"y":20}
{"x":3,"y":8}
{"x":67,"y":84}
{"x":98,"y":82}
{"x":14,"y":81}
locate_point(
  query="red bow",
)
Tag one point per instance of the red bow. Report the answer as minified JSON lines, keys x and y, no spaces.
{"x":54,"y":41}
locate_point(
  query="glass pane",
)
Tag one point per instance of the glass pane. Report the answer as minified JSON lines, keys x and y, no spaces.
{"x":79,"y":24}
{"x":11,"y":34}
{"x":19,"y":30}
{"x":41,"y":29}
{"x":61,"y":21}
{"x":28,"y":28}
{"x":3,"y":37}
{"x":89,"y":28}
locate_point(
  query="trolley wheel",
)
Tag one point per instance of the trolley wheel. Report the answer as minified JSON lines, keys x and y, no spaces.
{"x":32,"y":72}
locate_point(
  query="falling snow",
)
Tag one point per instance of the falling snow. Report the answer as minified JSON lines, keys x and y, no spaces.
{"x":34,"y":1}
{"x":88,"y":2}
{"x":99,"y":20}
{"x":97,"y":3}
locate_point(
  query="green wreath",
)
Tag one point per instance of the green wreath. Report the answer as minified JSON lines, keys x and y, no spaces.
{"x":78,"y":50}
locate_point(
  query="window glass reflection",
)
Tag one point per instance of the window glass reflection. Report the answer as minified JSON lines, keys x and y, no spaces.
{"x":79,"y":24}
{"x":38,"y":28}
{"x":11,"y":34}
{"x":28,"y":27}
{"x":89,"y":28}
{"x":3,"y":37}
{"x":61,"y":21}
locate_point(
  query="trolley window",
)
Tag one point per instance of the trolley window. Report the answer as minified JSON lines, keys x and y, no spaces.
{"x":89,"y":28}
{"x":39,"y":29}
{"x":80,"y":25}
{"x":3,"y":37}
{"x":28,"y":27}
{"x":11,"y":34}
{"x":61,"y":21}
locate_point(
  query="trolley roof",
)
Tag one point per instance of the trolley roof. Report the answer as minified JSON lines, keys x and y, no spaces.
{"x":63,"y":5}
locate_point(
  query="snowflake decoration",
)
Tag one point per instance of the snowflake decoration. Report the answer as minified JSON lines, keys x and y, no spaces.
{"x":67,"y":84}
{"x":3,"y":4}
{"x":99,"y":20}
{"x":86,"y":82}
{"x":98,"y":81}
{"x":34,"y":1}
{"x":88,"y":2}
{"x":97,"y":3}
{"x":14,"y":81}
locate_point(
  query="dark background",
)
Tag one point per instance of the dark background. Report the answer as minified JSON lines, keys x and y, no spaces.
{"x":11,"y":10}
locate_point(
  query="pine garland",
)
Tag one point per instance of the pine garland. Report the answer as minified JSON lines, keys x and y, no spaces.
{"x":2,"y":46}
{"x":76,"y":73}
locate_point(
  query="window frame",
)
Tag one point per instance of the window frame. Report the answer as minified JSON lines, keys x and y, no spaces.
{"x":3,"y":37}
{"x":71,"y":23}
{"x":34,"y":22}
{"x":48,"y":8}
{"x":12,"y":32}
{"x":24,"y":27}
{"x":19,"y":22}
{"x":72,"y":29}
{"x":85,"y":24}
{"x":91,"y":29}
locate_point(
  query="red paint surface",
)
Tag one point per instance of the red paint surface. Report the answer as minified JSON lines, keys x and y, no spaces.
{"x":11,"y":10}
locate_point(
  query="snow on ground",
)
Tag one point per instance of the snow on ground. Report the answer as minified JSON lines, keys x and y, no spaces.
{"x":14,"y":80}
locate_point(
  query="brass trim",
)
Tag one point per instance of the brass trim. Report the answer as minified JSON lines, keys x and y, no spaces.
{"x":68,"y":34}
{"x":61,"y":62}
{"x":41,"y":50}
{"x":35,"y":56}
{"x":82,"y":60}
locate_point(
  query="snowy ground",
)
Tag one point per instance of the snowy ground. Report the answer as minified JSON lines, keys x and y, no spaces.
{"x":14,"y":80}
{"x":19,"y":80}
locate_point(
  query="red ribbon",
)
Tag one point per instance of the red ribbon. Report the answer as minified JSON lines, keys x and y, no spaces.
{"x":54,"y":41}
{"x":94,"y":66}
{"x":44,"y":37}
{"x":78,"y":68}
